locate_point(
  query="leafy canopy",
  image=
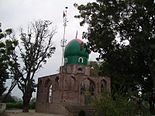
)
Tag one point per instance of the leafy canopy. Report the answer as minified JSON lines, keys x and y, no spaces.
{"x":123,"y":33}
{"x":7,"y":47}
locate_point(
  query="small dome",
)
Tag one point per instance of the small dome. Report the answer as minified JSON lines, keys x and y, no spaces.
{"x":76,"y":52}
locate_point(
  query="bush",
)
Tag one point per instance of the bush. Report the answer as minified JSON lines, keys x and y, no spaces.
{"x":119,"y":105}
{"x":19,"y":105}
{"x":15,"y":105}
{"x":32,"y":105}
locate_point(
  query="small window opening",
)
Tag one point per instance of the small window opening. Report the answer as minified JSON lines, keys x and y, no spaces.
{"x":80,"y":60}
{"x":65,"y":60}
{"x":80,"y":69}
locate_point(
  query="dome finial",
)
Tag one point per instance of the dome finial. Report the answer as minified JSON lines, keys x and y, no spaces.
{"x":76,"y":34}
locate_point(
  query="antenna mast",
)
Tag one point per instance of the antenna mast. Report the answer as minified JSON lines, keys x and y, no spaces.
{"x":76,"y":36}
{"x":63,"y":41}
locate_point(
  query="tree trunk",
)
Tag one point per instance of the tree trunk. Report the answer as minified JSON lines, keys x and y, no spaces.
{"x":152,"y":97}
{"x":25,"y":104}
{"x":26,"y":99}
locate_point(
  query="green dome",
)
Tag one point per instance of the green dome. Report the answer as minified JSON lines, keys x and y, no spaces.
{"x":74,"y":51}
{"x":74,"y":47}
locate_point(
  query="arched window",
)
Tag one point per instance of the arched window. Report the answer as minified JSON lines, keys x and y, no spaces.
{"x":65,"y":60}
{"x":50,"y":94}
{"x":72,"y":82}
{"x":56,"y":83}
{"x":82,"y":88}
{"x":87,"y":90}
{"x":80,"y":69}
{"x":47,"y":82}
{"x":80,"y":60}
{"x":92,"y":88}
{"x":103,"y":85}
{"x":87,"y":86}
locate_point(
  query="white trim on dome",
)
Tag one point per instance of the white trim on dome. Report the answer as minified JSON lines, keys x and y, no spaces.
{"x":80,"y":60}
{"x":65,"y":60}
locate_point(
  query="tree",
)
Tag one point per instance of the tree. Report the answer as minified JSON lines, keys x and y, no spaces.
{"x":7,"y":47}
{"x":122,"y":32}
{"x":34,"y":49}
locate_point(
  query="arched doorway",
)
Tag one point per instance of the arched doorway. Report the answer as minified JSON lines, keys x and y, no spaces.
{"x":82,"y":113}
{"x":87,"y":90}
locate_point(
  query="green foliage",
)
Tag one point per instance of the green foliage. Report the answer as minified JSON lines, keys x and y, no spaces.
{"x":7,"y":47}
{"x":15,"y":105}
{"x":119,"y":105}
{"x":19,"y":105}
{"x":32,"y":103}
{"x":95,"y":68}
{"x":122,"y":32}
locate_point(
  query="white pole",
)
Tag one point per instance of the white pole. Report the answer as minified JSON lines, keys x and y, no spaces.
{"x":63,"y":41}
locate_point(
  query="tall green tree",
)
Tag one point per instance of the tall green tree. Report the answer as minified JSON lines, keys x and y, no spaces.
{"x":123,"y":33}
{"x":35,"y":48}
{"x":7,"y":47}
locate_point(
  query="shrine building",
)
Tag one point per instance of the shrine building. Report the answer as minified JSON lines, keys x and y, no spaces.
{"x":71,"y":90}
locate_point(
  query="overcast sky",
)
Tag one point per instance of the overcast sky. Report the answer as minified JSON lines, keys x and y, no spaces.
{"x":19,"y":13}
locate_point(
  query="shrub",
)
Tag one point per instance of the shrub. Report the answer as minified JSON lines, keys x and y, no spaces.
{"x":19,"y":105}
{"x":119,"y":105}
{"x":15,"y":105}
